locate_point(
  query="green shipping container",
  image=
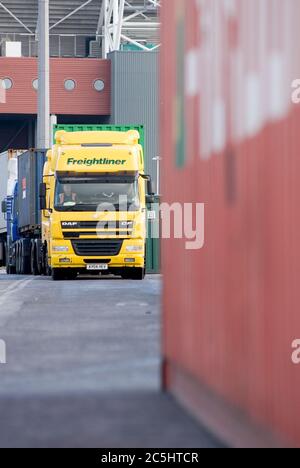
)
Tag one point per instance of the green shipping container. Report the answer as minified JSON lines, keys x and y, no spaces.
{"x":153,"y":238}
{"x":101,"y":128}
{"x":153,"y":244}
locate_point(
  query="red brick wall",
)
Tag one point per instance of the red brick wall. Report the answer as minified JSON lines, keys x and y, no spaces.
{"x":84,"y":100}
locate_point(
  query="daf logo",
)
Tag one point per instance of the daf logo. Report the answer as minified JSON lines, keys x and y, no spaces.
{"x":69,"y":224}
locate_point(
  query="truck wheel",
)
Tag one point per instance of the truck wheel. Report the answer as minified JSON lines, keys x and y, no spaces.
{"x":47,"y":269}
{"x":125,"y":275}
{"x":2,"y":253}
{"x":24,"y":259}
{"x":137,"y":274}
{"x":58,"y":274}
{"x":70,"y":275}
{"x":33,"y":260}
{"x":10,"y":270}
{"x":39,"y":256}
{"x":18,"y":258}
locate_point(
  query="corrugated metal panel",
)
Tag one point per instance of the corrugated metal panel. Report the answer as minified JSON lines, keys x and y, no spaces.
{"x":30,"y":171}
{"x":135,"y":97}
{"x":231,"y":309}
{"x":84,"y":100}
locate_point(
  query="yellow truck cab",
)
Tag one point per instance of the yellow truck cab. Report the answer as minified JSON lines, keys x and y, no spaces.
{"x":93,"y":200}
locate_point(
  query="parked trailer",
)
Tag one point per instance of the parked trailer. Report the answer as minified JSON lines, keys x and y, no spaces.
{"x":7,"y":176}
{"x":23,"y":215}
{"x":230,"y":139}
{"x":3,"y":188}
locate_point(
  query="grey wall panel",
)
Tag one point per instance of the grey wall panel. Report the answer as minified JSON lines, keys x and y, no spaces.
{"x":135,"y":97}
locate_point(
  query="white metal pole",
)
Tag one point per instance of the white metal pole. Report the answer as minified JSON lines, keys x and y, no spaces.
{"x":120,"y":24}
{"x":53,"y":121}
{"x":104,"y":29}
{"x":158,"y":160}
{"x":43,"y":134}
{"x":115,"y":20}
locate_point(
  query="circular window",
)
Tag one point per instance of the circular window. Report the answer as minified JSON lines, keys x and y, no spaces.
{"x":35,"y":84}
{"x":6,"y":83}
{"x":99,"y":85}
{"x":70,"y":85}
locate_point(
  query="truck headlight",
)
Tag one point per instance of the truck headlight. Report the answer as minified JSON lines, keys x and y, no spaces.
{"x":60,"y":248}
{"x":134,"y":248}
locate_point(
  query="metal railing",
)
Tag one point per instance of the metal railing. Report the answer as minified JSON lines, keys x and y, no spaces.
{"x":61,"y":45}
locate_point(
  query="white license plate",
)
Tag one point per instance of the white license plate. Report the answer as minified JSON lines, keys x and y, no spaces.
{"x":97,"y":267}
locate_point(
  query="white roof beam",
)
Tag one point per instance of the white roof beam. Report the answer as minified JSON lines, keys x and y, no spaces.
{"x":15,"y":17}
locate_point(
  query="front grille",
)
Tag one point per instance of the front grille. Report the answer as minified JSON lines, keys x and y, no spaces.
{"x":87,"y":224}
{"x":76,"y":234}
{"x":97,"y":225}
{"x":97,"y":247}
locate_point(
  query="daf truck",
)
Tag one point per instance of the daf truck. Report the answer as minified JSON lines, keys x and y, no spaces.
{"x":90,"y":213}
{"x":93,"y":200}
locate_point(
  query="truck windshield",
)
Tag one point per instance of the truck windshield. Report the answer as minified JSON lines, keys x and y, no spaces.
{"x":97,"y":194}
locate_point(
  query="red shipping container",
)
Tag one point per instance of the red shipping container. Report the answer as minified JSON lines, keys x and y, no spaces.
{"x":231,"y":140}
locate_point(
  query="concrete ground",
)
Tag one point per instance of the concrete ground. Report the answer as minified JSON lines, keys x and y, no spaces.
{"x":83,"y":367}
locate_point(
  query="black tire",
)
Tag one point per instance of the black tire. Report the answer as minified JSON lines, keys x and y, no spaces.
{"x":21,"y":259}
{"x":70,"y":275}
{"x":39,"y":259}
{"x":33,"y":260}
{"x":18,"y":266}
{"x":26,"y":265}
{"x":125,"y":275}
{"x":24,"y":260}
{"x":5,"y":254}
{"x":48,"y":269}
{"x":137,"y":274}
{"x":58,"y":274}
{"x":11,"y":270}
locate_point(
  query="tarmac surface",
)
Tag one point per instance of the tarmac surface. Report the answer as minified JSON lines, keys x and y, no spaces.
{"x":83,"y":367}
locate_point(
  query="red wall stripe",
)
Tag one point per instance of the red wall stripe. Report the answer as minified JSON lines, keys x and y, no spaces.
{"x":84,"y":100}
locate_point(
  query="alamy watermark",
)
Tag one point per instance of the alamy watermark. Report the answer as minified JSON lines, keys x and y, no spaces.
{"x":296,"y":352}
{"x":176,"y":221}
{"x":2,"y":352}
{"x":296,"y":91}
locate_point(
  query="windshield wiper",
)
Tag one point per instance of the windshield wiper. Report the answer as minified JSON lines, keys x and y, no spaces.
{"x":64,"y":208}
{"x":86,"y":207}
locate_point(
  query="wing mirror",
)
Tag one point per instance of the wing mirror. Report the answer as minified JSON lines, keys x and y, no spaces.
{"x":42,"y":194}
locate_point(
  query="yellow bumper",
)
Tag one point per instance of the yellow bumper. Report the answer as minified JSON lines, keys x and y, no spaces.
{"x":125,"y":259}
